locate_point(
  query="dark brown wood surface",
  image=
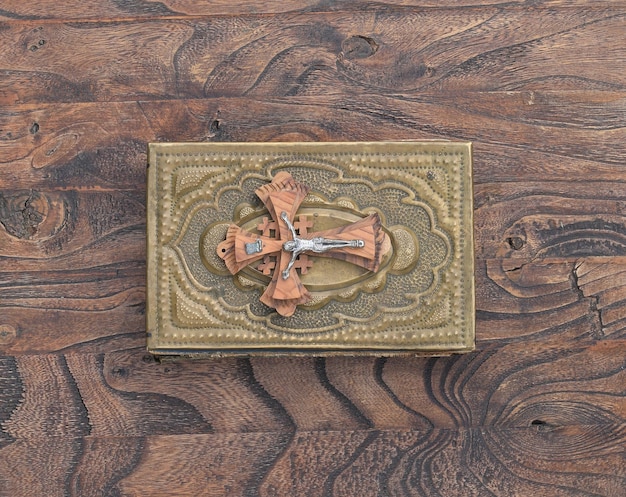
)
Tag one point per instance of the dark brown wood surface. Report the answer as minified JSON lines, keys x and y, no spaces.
{"x":539,"y":87}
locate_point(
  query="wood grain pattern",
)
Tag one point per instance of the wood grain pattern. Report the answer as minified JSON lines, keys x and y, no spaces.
{"x":553,"y":406}
{"x":538,"y":409}
{"x":147,"y":9}
{"x":441,"y":50}
{"x":99,"y":146}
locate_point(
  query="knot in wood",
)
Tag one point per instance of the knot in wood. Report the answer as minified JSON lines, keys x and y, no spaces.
{"x":358,"y":47}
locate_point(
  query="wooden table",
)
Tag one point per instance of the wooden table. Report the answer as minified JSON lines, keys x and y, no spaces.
{"x":539,"y":87}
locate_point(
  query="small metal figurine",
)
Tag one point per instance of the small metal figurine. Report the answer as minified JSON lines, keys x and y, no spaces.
{"x":318,"y":245}
{"x":363,"y":243}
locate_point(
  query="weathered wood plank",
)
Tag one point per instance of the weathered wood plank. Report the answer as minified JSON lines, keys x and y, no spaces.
{"x":185,"y":465}
{"x":127,"y":393}
{"x":499,"y":462}
{"x":535,"y":410}
{"x":112,"y":10}
{"x":102,"y":146}
{"x":382,"y":52}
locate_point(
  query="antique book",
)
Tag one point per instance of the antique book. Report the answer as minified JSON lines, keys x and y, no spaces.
{"x":310,"y":248}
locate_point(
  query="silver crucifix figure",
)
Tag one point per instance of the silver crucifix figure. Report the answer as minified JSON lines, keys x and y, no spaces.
{"x":317,"y":245}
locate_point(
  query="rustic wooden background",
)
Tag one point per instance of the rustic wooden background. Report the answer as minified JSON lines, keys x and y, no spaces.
{"x":539,"y":87}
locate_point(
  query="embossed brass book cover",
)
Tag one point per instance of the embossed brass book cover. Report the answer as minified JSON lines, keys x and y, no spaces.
{"x":310,"y":248}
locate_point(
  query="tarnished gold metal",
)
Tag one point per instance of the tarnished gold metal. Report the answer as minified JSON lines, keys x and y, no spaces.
{"x":420,"y":300}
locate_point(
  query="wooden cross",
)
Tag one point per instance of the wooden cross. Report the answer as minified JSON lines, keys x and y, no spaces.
{"x":363,"y":243}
